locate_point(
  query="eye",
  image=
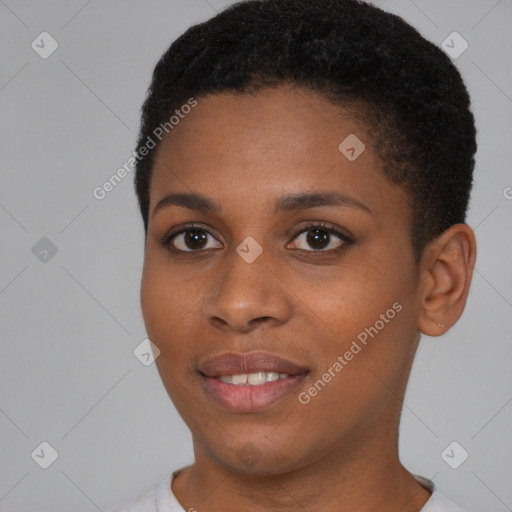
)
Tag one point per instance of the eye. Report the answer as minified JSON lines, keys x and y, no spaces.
{"x":189,"y":239}
{"x":319,"y":238}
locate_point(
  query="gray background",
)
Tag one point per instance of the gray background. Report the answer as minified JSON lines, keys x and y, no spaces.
{"x":69,"y":325}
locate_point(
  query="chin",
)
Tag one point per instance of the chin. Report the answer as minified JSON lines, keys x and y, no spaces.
{"x":256,"y":458}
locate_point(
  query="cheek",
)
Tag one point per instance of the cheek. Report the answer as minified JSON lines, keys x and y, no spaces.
{"x":354,"y":297}
{"x":153,"y":300}
{"x":367,"y":318}
{"x":164,"y":302}
{"x":171,"y":301}
{"x":166,"y":314}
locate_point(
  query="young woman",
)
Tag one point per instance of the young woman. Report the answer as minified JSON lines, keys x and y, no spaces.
{"x":303,"y":173}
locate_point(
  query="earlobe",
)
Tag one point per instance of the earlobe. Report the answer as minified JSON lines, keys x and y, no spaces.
{"x":447,"y":269}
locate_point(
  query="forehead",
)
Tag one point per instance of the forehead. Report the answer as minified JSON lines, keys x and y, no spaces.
{"x":262,"y":145}
{"x":285,"y":123}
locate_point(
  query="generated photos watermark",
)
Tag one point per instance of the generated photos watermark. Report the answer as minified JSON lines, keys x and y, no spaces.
{"x":158,"y":133}
{"x":304,"y":397}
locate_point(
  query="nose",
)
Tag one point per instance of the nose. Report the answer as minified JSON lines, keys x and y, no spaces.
{"x":248,"y":295}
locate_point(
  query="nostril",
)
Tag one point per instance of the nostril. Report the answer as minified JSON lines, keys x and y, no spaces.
{"x":261,"y":319}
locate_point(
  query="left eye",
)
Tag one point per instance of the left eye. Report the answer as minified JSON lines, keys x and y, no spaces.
{"x":319,"y":238}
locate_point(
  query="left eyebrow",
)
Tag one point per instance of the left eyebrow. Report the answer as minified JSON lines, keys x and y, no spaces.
{"x":293,"y":202}
{"x":286,"y":203}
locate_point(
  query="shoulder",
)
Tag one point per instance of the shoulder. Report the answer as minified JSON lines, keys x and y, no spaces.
{"x":437,"y":501}
{"x":143,"y":502}
{"x":440,"y":503}
{"x":159,"y":498}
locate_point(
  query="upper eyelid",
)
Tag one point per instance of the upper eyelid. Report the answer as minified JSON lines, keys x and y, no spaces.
{"x":184,"y":229}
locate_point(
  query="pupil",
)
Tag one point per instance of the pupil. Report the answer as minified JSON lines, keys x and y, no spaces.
{"x":313,"y":240}
{"x":195,"y":236}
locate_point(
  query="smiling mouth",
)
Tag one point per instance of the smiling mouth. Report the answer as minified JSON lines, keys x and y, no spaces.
{"x":250,"y":382}
{"x":253,"y":379}
{"x":254,"y":365}
{"x":250,"y":398}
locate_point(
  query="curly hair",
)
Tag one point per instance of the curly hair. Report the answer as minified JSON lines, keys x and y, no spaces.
{"x":410,"y":96}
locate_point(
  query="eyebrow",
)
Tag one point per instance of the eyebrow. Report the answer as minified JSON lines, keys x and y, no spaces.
{"x":286,"y":203}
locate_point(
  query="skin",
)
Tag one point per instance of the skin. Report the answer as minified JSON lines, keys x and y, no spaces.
{"x":339,"y":451}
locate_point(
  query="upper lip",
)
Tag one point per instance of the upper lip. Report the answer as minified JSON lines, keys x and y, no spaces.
{"x":231,"y":363}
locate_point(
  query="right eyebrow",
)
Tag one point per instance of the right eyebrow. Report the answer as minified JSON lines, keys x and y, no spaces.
{"x":190,"y":201}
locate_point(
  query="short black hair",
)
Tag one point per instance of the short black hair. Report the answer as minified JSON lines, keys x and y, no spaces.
{"x":411,"y":97}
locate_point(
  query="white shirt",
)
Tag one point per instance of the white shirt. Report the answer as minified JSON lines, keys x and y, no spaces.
{"x":162,"y":499}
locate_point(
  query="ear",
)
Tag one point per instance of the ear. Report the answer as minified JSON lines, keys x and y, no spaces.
{"x":446,"y":269}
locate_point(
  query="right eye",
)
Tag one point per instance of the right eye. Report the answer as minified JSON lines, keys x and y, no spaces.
{"x":189,"y":239}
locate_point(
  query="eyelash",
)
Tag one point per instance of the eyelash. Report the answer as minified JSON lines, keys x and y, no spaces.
{"x":322,"y":226}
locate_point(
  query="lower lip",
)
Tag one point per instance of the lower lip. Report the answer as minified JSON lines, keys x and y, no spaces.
{"x":248,"y":398}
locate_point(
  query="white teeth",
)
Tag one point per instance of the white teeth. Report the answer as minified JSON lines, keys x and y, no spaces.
{"x":256,"y":378}
{"x":239,"y":379}
{"x":253,"y":379}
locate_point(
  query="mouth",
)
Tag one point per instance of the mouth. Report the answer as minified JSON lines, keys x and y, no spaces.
{"x":252,"y":379}
{"x":250,"y":382}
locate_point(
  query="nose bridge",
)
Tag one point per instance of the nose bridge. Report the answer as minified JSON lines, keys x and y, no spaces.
{"x":246,"y":291}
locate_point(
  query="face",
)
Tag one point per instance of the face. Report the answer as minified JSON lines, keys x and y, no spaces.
{"x":287,"y":256}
